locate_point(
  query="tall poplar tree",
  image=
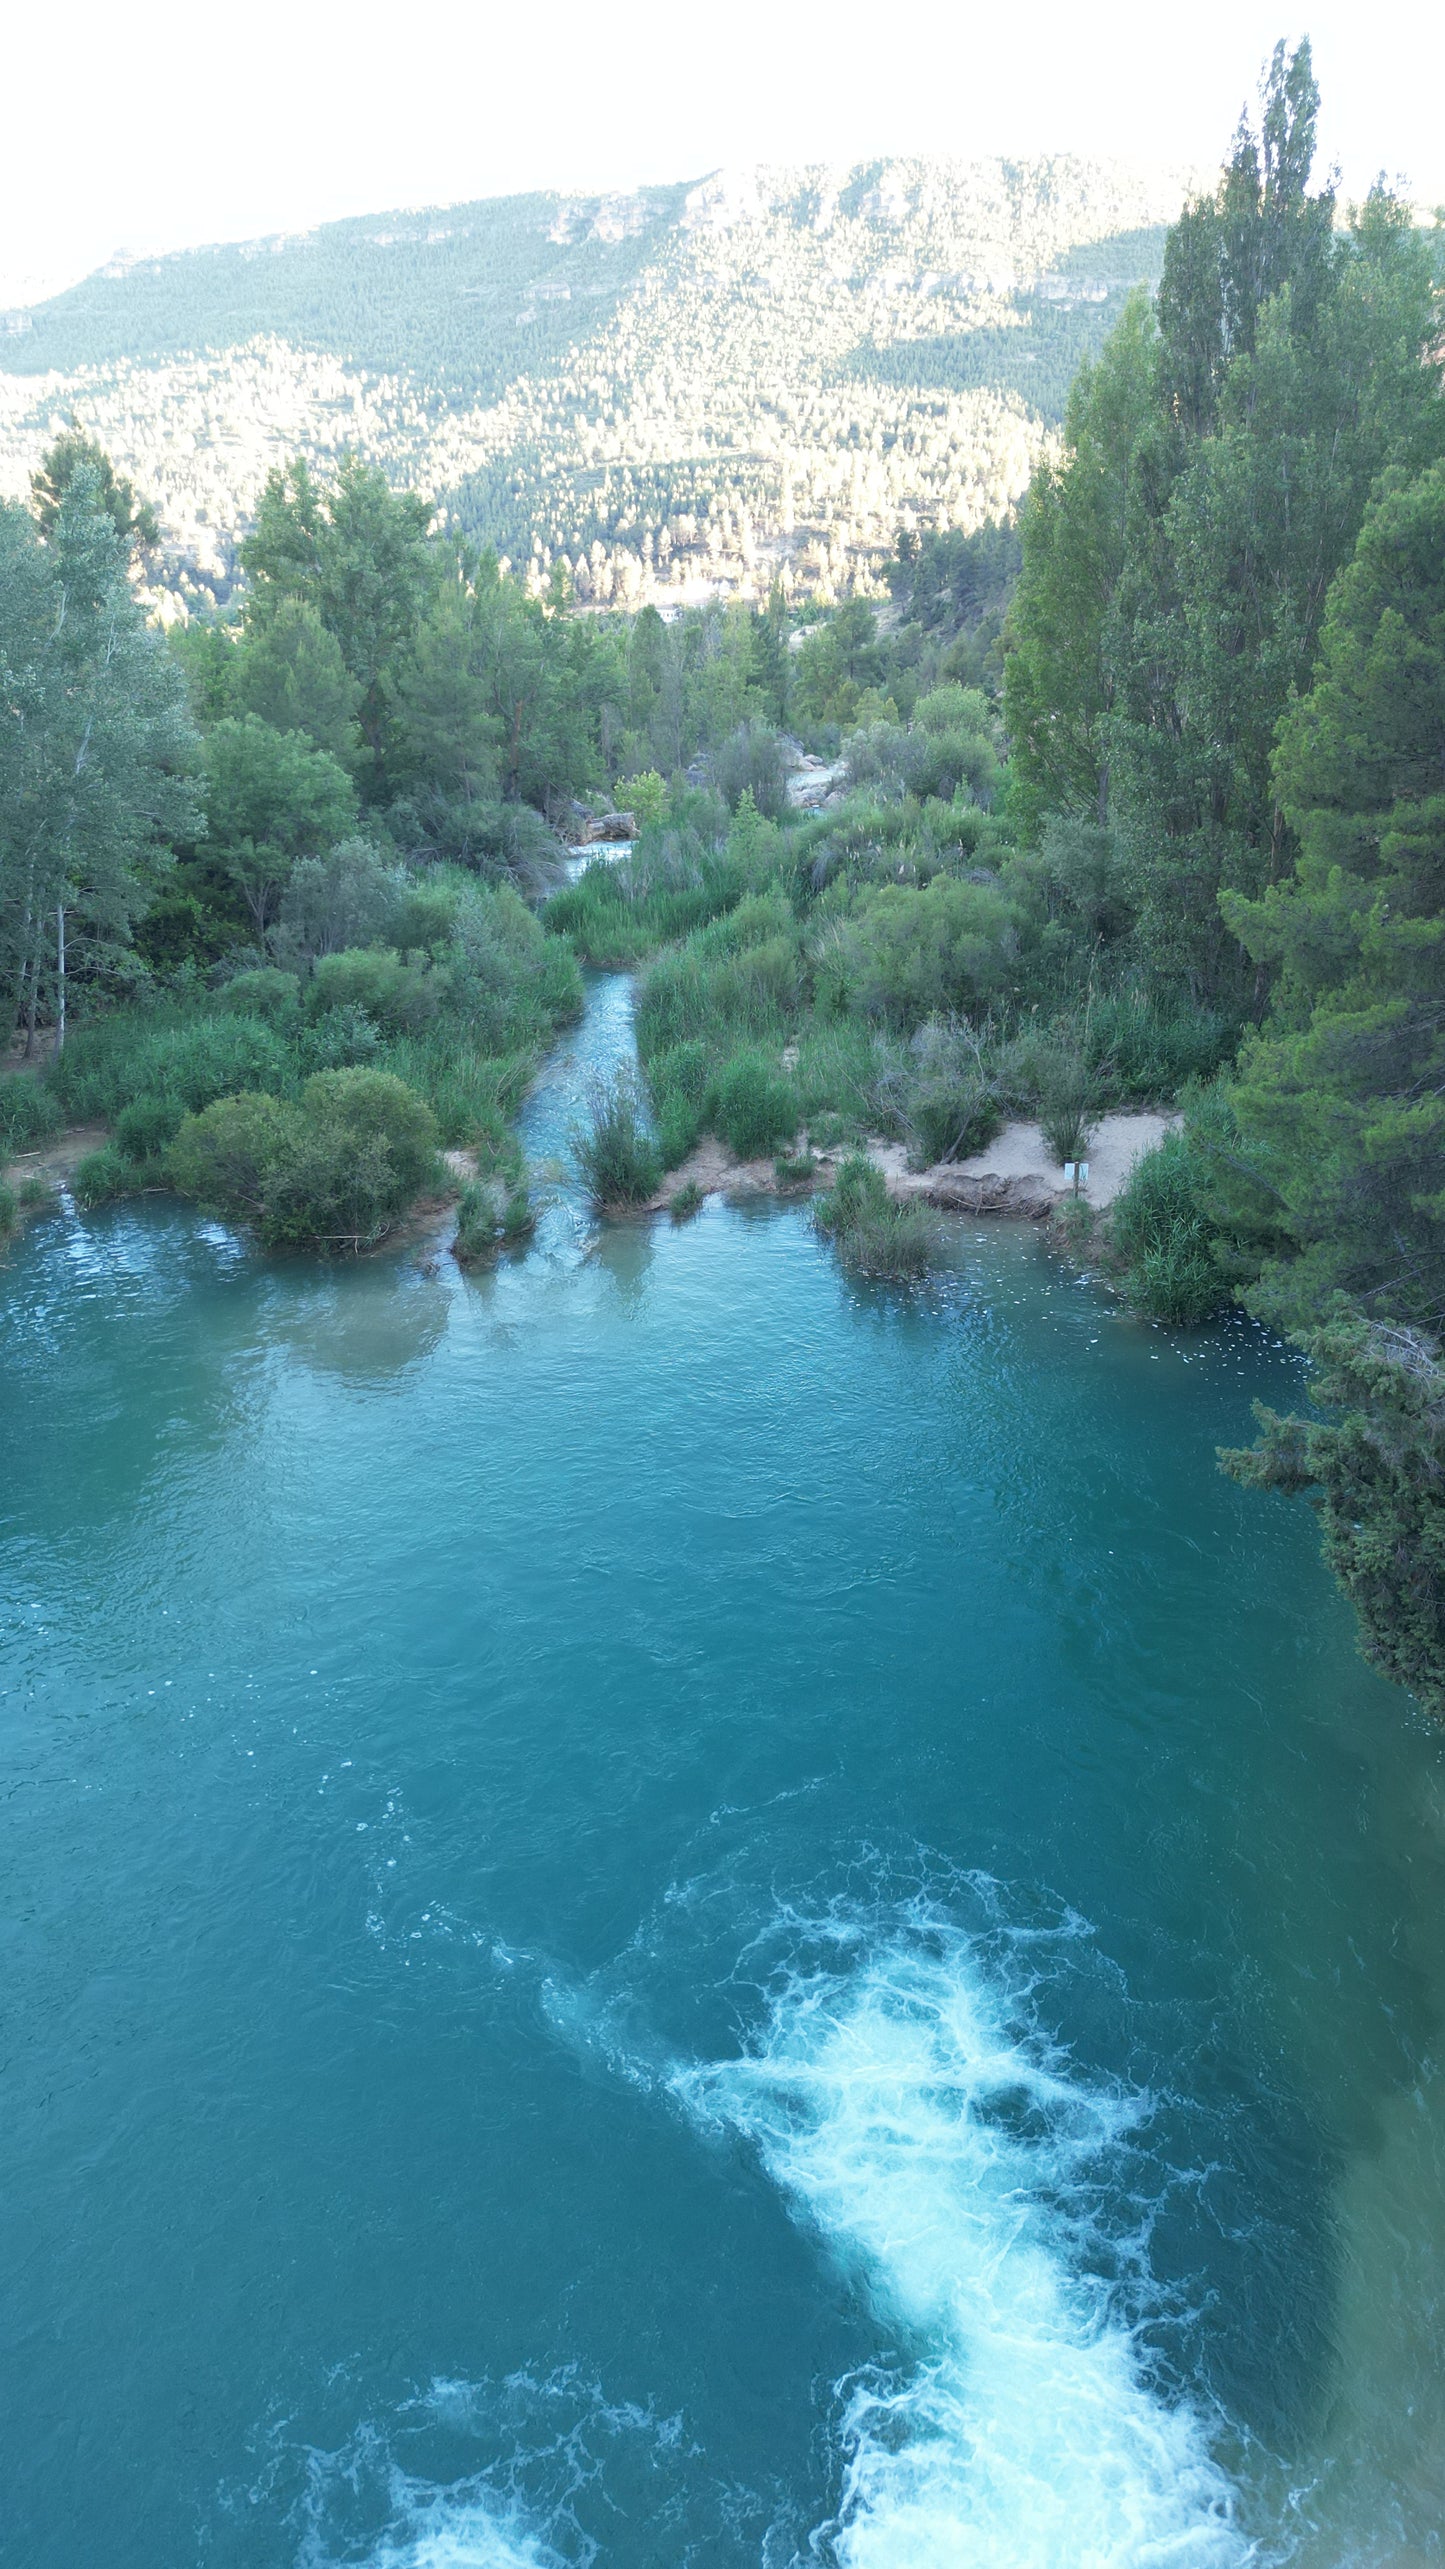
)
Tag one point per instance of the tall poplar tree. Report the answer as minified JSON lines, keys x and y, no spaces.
{"x":96,"y":752}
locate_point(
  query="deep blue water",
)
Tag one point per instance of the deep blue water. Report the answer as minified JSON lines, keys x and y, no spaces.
{"x":660,"y":1909}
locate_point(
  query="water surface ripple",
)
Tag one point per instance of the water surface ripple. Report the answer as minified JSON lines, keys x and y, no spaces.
{"x":664,"y":1911}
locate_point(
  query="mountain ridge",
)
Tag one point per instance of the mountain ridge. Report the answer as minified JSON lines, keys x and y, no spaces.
{"x":675,"y":389}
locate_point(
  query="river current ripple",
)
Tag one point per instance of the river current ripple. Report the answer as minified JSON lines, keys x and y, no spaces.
{"x":665,"y":1911}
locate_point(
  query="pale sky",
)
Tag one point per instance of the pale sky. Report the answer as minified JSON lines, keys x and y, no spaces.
{"x":156,"y":124}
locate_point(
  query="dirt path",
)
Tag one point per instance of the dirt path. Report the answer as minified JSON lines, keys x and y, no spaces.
{"x":55,"y":1161}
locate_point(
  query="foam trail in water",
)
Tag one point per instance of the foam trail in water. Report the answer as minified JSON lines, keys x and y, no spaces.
{"x":905,"y":2121}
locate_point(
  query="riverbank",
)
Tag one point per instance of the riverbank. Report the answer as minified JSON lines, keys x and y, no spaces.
{"x":1016,"y":1174}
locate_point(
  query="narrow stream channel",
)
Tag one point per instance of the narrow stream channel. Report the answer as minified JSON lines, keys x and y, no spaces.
{"x":664,"y":1911}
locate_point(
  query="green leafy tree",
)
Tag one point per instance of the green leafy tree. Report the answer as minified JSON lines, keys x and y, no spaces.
{"x":96,"y":752}
{"x":357,"y":554}
{"x":837,"y":665}
{"x":1340,"y":1100}
{"x":1374,"y":1467}
{"x":537,"y":676}
{"x":771,"y":669}
{"x":1176,"y":567}
{"x":72,"y":454}
{"x":452,"y":736}
{"x":1343,"y":1093}
{"x":1060,"y":657}
{"x":272,"y":798}
{"x":292,"y":674}
{"x":208,"y":658}
{"x":1295,"y":358}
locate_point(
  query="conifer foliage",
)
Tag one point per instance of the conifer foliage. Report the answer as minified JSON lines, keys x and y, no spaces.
{"x":1229,"y":645}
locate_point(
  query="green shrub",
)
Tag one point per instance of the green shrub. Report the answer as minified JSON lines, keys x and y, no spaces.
{"x":519,"y":1214}
{"x":789,"y":1174}
{"x":688,"y":1200}
{"x":1160,"y":1236}
{"x":753,"y":1106}
{"x":479,"y":1227}
{"x":1068,"y":1103}
{"x":619,"y":1161}
{"x":647,"y":798}
{"x":491,"y":1216}
{"x":947,"y":1097}
{"x":332,"y":1187}
{"x":909,"y":953}
{"x":377,"y":1106}
{"x":1147,"y":1051}
{"x":750,"y":764}
{"x":345,"y":1038}
{"x":333,"y":1169}
{"x":9,"y":1211}
{"x":678,"y":1081}
{"x":224,"y":1155}
{"x":400,"y":998}
{"x":274,"y":996}
{"x":1076,"y":1220}
{"x":683,"y":1072}
{"x":470,"y":1093}
{"x":676,"y":880}
{"x":873,"y":1234}
{"x":29,"y":1114}
{"x":103,"y":1175}
{"x":848,"y":1079}
{"x":146,"y":1128}
{"x":192,"y":1060}
{"x":953,"y":1117}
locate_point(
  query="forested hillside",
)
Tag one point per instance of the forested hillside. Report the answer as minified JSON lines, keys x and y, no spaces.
{"x":665,"y":394}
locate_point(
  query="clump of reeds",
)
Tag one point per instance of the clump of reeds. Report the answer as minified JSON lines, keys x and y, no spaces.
{"x":873,"y":1233}
{"x":619,"y":1161}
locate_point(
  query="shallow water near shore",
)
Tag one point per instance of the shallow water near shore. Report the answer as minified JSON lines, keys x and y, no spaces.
{"x":665,"y":1911}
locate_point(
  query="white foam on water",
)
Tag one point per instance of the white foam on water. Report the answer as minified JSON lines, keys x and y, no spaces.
{"x":954,"y":2160}
{"x":452,"y":2534}
{"x":553,"y":2452}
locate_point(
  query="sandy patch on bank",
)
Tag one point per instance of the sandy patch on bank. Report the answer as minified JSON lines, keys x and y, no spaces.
{"x":1014,"y":1175}
{"x":1020,"y":1161}
{"x":55,"y":1161}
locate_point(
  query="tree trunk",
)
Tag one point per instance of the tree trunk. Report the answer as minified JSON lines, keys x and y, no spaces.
{"x":30,"y":1010}
{"x":18,"y":1001}
{"x":59,"y":980}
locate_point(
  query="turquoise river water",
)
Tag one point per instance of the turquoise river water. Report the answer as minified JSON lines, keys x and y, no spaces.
{"x":662,"y":1910}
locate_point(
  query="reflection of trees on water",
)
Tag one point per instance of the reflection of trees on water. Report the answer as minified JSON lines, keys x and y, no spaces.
{"x":142,"y":1342}
{"x":373,"y":1321}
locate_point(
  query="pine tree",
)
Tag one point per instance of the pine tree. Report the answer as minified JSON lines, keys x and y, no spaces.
{"x":1343,"y":1093}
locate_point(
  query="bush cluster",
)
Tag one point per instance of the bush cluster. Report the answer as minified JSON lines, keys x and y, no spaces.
{"x":1160,"y":1236}
{"x":873,"y":1233}
{"x":332,"y":1168}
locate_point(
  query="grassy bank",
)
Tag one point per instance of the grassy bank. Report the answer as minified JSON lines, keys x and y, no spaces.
{"x":897,"y":968}
{"x":313,"y":1103}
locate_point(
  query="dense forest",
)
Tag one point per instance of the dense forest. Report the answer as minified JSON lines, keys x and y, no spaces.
{"x":1133,"y":795}
{"x":674,"y":394}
